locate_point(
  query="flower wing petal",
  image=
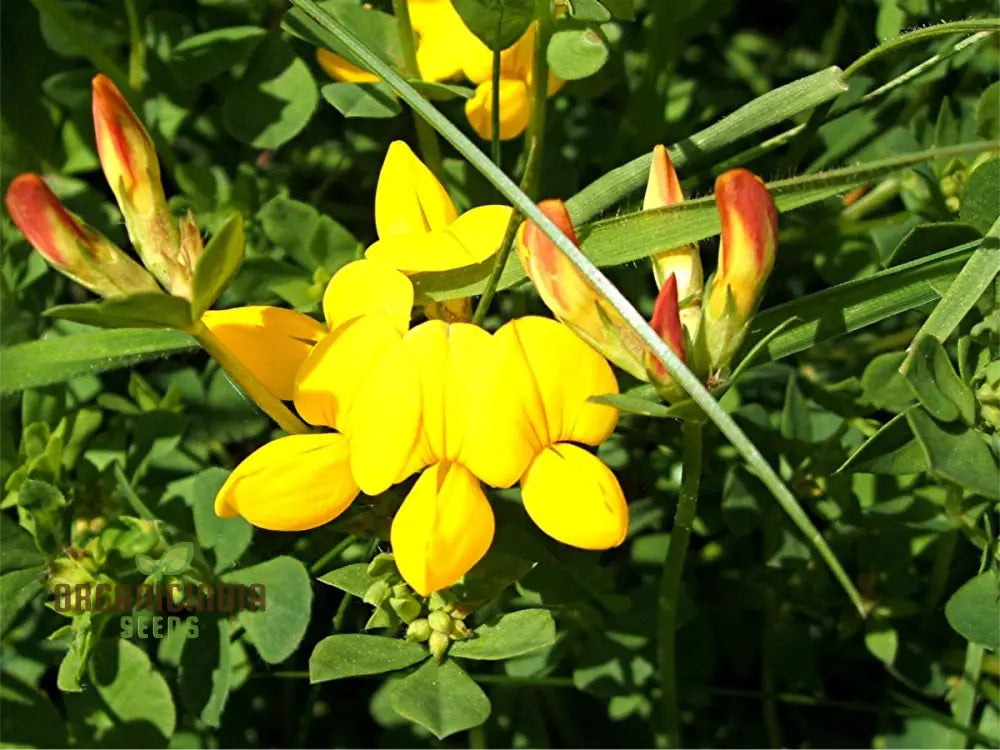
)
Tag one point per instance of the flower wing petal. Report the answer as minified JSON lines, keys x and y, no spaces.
{"x":293,"y":483}
{"x":574,"y":498}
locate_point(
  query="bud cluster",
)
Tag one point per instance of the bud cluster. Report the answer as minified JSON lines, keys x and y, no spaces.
{"x":436,"y":621}
{"x":703,"y":323}
{"x":168,"y":249}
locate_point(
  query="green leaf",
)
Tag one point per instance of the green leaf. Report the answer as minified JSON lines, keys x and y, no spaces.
{"x":882,"y":642}
{"x":205,"y":670}
{"x":17,"y":589}
{"x":441,"y":698}
{"x":589,"y":10}
{"x":306,"y":235}
{"x":631,"y":403}
{"x":277,"y":630}
{"x":45,"y":507}
{"x":891,"y":450}
{"x":132,"y":690}
{"x":378,"y":30}
{"x":514,"y":634}
{"x":883,"y":385}
{"x":966,"y":289}
{"x":927,"y":239}
{"x":29,"y":717}
{"x":18,"y":550}
{"x":228,"y":538}
{"x":217,"y":265}
{"x":146,"y":564}
{"x":766,"y":110}
{"x":57,"y":359}
{"x":576,"y":50}
{"x":177,"y":558}
{"x":374,"y":100}
{"x":988,"y":112}
{"x":497,"y":23}
{"x":936,"y":384}
{"x":957,"y":454}
{"x":274,"y":99}
{"x":979,"y":196}
{"x":353,"y":579}
{"x":974,"y":610}
{"x":202,"y":57}
{"x":147,"y":310}
{"x":355,"y":654}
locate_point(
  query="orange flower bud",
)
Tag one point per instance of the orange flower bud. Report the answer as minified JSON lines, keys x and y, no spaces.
{"x":570,"y":296}
{"x":746,"y":257}
{"x":684,"y":263}
{"x":74,"y":248}
{"x":666,"y":321}
{"x":133,"y":171}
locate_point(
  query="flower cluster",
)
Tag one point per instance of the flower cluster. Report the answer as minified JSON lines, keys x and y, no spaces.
{"x":448,"y":51}
{"x":451,"y":402}
{"x":704,"y":336}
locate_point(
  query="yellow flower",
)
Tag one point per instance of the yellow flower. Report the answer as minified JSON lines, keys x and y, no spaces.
{"x":516,"y":64}
{"x":302,"y":481}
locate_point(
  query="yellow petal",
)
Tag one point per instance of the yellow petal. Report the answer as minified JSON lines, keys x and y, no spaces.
{"x":420,"y":252}
{"x":329,"y":378}
{"x":408,"y":197}
{"x":385,"y":420}
{"x":271,"y":342}
{"x":515,"y":109}
{"x":337,"y":67}
{"x":293,"y":483}
{"x":442,"y":529}
{"x":575,"y":499}
{"x":436,"y":58}
{"x":480,"y":230}
{"x":560,"y":373}
{"x":368,"y":286}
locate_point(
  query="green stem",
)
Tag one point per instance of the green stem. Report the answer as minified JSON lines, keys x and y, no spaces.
{"x":495,"y":109}
{"x":904,"y":40}
{"x":430,"y":149}
{"x":772,"y":535}
{"x":333,"y":554}
{"x":248,"y":382}
{"x":965,"y":701}
{"x":670,"y":583}
{"x":534,"y":143}
{"x":657,"y":348}
{"x":137,"y":49}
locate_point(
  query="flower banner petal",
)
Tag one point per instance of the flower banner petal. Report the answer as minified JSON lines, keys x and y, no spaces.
{"x":408,"y":197}
{"x":368,"y":286}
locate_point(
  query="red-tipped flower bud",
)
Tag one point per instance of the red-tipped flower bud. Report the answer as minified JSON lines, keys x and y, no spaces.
{"x":74,"y":248}
{"x":570,"y":296}
{"x":746,"y":257}
{"x":133,"y":171}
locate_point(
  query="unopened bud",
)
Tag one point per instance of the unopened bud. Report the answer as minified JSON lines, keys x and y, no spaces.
{"x":418,"y":630}
{"x":377,"y":593}
{"x":667,"y":324}
{"x":439,"y":621}
{"x":460,"y":631}
{"x":132,"y":170}
{"x":381,"y":565}
{"x":75,"y":249}
{"x":438,"y":644}
{"x":684,"y":263}
{"x":746,"y":257}
{"x":570,"y":296}
{"x":406,"y":608}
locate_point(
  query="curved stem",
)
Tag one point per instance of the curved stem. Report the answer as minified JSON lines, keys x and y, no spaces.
{"x":248,"y":382}
{"x":670,"y":583}
{"x":430,"y":149}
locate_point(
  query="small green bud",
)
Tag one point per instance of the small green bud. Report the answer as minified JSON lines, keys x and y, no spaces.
{"x":440,"y":621}
{"x":382,"y":565}
{"x":407,"y":608}
{"x":402,"y":591}
{"x":438,"y":644}
{"x":377,"y":593}
{"x":418,"y":630}
{"x":460,"y":631}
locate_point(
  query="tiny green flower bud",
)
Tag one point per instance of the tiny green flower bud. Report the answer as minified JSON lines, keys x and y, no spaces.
{"x":407,"y":608}
{"x":377,"y":593}
{"x":418,"y":630}
{"x":440,"y":621}
{"x":382,"y":565}
{"x":438,"y":644}
{"x":402,"y":591}
{"x":460,"y":631}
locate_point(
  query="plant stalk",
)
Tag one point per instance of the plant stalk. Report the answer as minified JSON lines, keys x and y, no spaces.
{"x":670,"y":583}
{"x":430,"y":149}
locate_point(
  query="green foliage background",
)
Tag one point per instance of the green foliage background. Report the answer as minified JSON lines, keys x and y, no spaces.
{"x":900,"y":473}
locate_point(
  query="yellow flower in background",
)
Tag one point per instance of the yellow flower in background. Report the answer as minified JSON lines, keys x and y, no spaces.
{"x":418,"y":226}
{"x":516,"y":63}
